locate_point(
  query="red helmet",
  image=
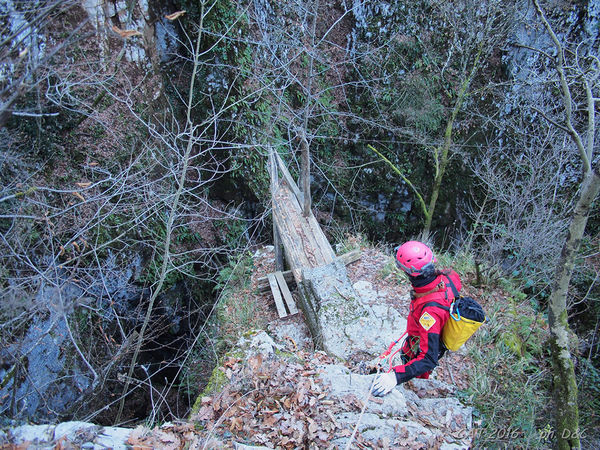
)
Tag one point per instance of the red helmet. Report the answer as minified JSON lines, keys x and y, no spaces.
{"x":414,"y":258}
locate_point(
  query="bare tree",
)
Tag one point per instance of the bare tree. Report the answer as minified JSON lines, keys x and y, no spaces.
{"x":578,"y":81}
{"x":25,"y":50}
{"x":524,"y":175}
{"x":130,"y":207}
{"x":541,"y":179}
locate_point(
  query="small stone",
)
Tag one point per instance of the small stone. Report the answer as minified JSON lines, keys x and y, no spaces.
{"x":114,"y":437}
{"x":71,"y":429}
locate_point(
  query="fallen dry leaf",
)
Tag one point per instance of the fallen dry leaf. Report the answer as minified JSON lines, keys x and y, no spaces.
{"x":125,"y":33}
{"x":79,"y":196}
{"x":175,"y":15}
{"x":377,"y":400}
{"x":256,"y":361}
{"x":236,"y":424}
{"x":205,"y":413}
{"x":168,"y":441}
{"x":231,"y":362}
{"x":139,"y":439}
{"x":271,"y":420}
{"x":287,"y":402}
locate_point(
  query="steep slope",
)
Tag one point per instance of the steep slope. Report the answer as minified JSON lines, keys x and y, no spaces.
{"x":273,"y":390}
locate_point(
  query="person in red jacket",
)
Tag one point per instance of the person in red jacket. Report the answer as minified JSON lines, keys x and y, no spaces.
{"x":423,"y":345}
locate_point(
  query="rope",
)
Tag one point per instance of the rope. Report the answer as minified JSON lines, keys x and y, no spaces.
{"x":389,"y":350}
{"x":368,"y":397}
{"x":366,"y":402}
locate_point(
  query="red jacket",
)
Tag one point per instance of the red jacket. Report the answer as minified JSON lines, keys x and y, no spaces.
{"x":423,"y":345}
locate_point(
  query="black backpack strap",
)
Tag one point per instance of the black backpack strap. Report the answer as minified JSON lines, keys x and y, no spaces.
{"x":454,"y":290}
{"x":439,"y":305}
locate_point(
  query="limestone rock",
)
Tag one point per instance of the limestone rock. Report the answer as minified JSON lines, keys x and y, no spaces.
{"x":374,"y":427}
{"x":32,"y":433}
{"x":79,"y":434}
{"x":342,"y":382}
{"x":292,"y":331}
{"x":257,"y":343}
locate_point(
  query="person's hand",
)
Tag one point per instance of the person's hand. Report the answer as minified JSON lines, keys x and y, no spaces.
{"x":384,"y":384}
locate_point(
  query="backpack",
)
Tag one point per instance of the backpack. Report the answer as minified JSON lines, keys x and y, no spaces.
{"x":466,"y":316}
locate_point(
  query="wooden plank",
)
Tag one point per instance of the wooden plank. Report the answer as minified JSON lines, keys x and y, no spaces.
{"x":276,"y":295}
{"x":315,"y":249}
{"x":350,"y":257}
{"x":321,"y":239}
{"x":291,"y":235}
{"x":274,"y":186}
{"x":287,"y":296}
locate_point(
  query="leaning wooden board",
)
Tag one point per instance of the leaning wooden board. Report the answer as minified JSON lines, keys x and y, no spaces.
{"x":277,"y":295}
{"x":287,"y":295}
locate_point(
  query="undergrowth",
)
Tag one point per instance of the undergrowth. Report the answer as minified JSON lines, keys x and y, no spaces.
{"x":236,"y":312}
{"x":237,"y":309}
{"x":509,"y":385}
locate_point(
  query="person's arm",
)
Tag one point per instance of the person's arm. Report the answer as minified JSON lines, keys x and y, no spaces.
{"x":430,"y":326}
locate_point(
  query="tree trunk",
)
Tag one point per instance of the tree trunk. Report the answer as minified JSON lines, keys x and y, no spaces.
{"x":441,"y":155}
{"x":565,"y":385}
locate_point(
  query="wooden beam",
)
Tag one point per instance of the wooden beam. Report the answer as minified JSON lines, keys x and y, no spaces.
{"x":321,"y":240}
{"x":303,"y":239}
{"x":276,"y":295}
{"x":305,"y":175}
{"x":287,"y":176}
{"x":287,"y":295}
{"x":274,"y":186}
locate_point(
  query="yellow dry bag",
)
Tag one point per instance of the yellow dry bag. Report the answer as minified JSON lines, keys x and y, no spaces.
{"x":466,"y":316}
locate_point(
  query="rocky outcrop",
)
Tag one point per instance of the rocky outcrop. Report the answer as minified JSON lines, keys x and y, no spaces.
{"x":346,"y":319}
{"x":307,"y":397}
{"x":278,"y":398}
